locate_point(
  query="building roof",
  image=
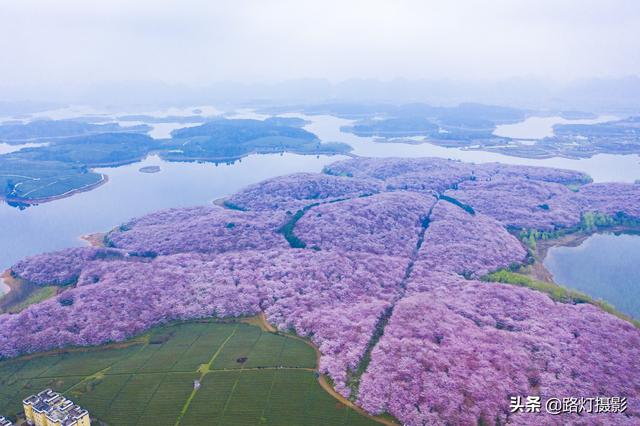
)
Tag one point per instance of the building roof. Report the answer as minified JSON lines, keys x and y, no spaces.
{"x":5,"y":422}
{"x":56,"y":407}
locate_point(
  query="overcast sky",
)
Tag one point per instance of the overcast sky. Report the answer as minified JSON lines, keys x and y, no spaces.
{"x":197,"y":42}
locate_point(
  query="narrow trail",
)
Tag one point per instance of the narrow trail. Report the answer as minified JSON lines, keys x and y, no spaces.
{"x":386,"y":316}
{"x":322,"y":379}
{"x":414,"y":254}
{"x":203,"y":370}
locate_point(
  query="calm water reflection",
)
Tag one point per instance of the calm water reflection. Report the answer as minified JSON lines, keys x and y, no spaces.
{"x":605,"y":266}
{"x":541,"y":127}
{"x":129,"y":193}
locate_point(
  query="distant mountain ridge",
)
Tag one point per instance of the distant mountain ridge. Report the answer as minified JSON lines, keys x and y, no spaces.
{"x":595,"y":94}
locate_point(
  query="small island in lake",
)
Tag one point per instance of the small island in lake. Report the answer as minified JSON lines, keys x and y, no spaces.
{"x":149,"y":169}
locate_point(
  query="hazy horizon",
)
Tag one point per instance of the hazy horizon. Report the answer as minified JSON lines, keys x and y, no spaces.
{"x":117,"y":51}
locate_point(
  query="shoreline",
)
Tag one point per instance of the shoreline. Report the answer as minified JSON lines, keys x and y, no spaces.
{"x":454,"y":144}
{"x":19,"y":290}
{"x":4,"y":287}
{"x":21,"y":293}
{"x":105,"y":178}
{"x":169,"y":158}
{"x":539,"y":272}
{"x":36,"y":201}
{"x":220,"y":202}
{"x":8,"y":283}
{"x":95,"y":239}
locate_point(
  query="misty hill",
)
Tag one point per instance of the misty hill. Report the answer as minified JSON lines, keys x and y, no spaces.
{"x":164,"y":119}
{"x":394,"y":127}
{"x":92,"y":150}
{"x":228,"y":139}
{"x":39,"y":129}
{"x":467,"y":114}
{"x":599,"y":95}
{"x":627,"y":128}
{"x":463,"y":122}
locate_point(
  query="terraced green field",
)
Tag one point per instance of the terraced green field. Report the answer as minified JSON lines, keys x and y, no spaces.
{"x":248,"y":377}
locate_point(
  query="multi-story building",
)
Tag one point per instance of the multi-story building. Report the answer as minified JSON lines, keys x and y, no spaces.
{"x":5,"y":422}
{"x":49,"y":408}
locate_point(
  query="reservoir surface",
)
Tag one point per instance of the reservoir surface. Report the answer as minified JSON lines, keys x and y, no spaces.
{"x":130,"y":193}
{"x":604,"y":266}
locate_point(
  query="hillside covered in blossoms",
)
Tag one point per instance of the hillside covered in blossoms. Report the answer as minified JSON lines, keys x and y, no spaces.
{"x":377,"y":261}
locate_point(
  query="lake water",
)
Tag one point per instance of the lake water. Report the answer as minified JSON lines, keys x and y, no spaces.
{"x":601,"y":167}
{"x":6,"y":148}
{"x":541,"y":127}
{"x":129,"y":193}
{"x":604,"y":266}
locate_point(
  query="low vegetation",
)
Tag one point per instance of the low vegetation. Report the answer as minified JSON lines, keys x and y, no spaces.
{"x":247,"y":376}
{"x":23,"y":294}
{"x":38,"y":295}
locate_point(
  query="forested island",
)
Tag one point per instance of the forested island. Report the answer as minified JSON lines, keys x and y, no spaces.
{"x":408,"y":275}
{"x":36,"y":130}
{"x":73,"y":148}
{"x":472,"y":126}
{"x":232,"y":139}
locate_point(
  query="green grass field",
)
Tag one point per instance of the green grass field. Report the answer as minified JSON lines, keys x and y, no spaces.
{"x":150,"y":381}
